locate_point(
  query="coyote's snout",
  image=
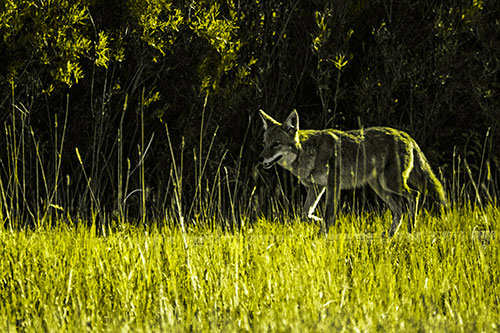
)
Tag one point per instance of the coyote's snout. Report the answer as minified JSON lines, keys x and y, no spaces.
{"x":386,"y":159}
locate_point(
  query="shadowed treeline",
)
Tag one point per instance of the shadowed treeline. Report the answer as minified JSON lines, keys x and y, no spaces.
{"x":140,"y":109}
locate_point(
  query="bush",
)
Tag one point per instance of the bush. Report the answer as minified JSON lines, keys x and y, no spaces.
{"x":107,"y":77}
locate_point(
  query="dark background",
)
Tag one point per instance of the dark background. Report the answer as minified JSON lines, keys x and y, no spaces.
{"x":105,"y":79}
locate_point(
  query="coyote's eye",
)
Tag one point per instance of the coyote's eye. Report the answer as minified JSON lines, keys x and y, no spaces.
{"x":275,"y":145}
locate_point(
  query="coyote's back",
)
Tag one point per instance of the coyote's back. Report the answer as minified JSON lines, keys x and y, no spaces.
{"x":386,"y":159}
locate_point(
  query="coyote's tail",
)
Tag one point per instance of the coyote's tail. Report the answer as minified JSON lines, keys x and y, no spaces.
{"x":429,"y":183}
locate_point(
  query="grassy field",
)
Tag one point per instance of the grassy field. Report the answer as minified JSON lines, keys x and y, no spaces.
{"x":269,"y":276}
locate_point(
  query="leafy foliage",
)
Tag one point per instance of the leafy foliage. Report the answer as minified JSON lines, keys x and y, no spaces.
{"x":158,"y":21}
{"x":46,"y":36}
{"x":117,"y":72}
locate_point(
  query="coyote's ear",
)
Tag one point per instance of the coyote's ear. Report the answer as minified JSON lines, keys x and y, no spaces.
{"x":292,"y":122}
{"x":268,"y":120}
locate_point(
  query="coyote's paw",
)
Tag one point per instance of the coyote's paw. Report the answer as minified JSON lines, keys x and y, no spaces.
{"x":388,"y":234}
{"x":306,"y":216}
{"x":314,"y":218}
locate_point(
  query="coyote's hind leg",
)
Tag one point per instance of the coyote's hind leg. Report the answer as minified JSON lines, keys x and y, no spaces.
{"x":392,"y":200}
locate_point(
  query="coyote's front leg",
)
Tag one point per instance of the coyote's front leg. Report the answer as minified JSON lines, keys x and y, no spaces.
{"x":311,"y":202}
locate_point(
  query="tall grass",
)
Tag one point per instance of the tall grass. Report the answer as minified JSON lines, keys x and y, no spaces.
{"x":267,"y":276}
{"x":219,"y":197}
{"x":206,"y":264}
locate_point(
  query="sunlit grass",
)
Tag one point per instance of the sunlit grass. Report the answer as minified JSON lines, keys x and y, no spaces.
{"x":270,"y":275}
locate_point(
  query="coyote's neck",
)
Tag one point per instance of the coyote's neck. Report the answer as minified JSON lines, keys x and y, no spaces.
{"x":299,"y":164}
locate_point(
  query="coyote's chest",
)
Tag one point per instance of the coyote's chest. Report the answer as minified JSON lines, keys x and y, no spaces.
{"x":309,"y":169}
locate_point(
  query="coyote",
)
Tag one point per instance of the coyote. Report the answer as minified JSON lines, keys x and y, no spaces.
{"x":388,"y":160}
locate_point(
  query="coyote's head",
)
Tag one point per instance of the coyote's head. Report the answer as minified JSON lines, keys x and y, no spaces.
{"x":279,"y":140}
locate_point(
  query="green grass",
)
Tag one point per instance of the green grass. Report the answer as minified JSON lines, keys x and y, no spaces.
{"x":269,"y":276}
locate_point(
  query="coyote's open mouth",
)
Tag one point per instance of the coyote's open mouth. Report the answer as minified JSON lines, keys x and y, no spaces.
{"x":268,"y":163}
